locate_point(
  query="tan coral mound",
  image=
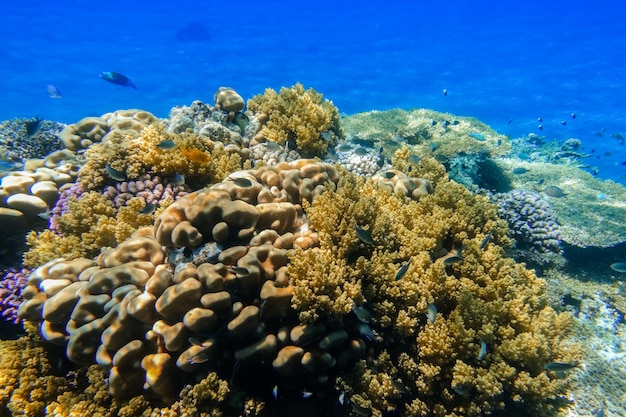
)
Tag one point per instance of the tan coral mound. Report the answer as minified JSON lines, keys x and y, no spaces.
{"x":298,"y":115}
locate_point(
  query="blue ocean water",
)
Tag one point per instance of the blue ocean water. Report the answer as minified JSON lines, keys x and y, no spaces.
{"x":499,"y":61}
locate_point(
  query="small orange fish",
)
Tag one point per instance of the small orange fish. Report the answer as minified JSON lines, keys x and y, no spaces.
{"x":196,"y":155}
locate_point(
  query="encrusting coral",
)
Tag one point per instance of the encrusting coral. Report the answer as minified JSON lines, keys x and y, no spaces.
{"x":299,"y":116}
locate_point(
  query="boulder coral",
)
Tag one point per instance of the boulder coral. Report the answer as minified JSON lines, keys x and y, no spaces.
{"x":284,"y":280}
{"x":299,"y":116}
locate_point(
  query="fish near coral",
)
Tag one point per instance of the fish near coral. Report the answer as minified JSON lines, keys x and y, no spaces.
{"x":364,"y":236}
{"x":33,"y":126}
{"x":196,"y":155}
{"x":117,"y":79}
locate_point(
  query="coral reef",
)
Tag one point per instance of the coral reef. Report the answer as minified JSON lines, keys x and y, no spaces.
{"x":27,"y":378}
{"x":591,"y":210}
{"x":209,"y":121}
{"x":531,"y":220}
{"x":134,"y":315}
{"x":17,"y":146}
{"x":430,"y":366}
{"x":298,"y":116}
{"x":426,"y":132}
{"x":200,"y":160}
{"x":90,"y":130}
{"x":91,"y":223}
{"x":284,"y":280}
{"x":26,"y":196}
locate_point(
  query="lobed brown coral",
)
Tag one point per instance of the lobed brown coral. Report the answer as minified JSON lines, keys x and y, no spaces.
{"x":299,"y":116}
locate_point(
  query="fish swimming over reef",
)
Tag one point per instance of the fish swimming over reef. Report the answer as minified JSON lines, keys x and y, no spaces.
{"x":33,"y":126}
{"x":52,"y":91}
{"x":117,"y":79}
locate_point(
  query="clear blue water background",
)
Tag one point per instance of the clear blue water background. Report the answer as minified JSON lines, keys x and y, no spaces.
{"x":499,"y":61}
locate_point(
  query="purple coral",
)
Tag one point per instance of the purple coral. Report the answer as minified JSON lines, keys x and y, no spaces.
{"x":149,"y":187}
{"x":531,"y":220}
{"x":11,"y":285}
{"x":62,"y":205}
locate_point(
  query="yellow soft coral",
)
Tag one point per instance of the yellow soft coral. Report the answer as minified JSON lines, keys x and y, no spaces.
{"x":298,"y":115}
{"x":484,"y":300}
{"x":134,"y":154}
{"x":91,"y":224}
{"x":26,"y":381}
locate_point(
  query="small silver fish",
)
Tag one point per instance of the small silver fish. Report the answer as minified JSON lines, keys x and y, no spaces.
{"x":33,"y":126}
{"x":114,"y":174}
{"x":305,"y":394}
{"x":238,"y":270}
{"x":179,"y":179}
{"x":148,"y":209}
{"x":241,"y":182}
{"x":483,"y":350}
{"x":560,"y":366}
{"x":431,"y":312}
{"x":166,"y":144}
{"x":52,"y":91}
{"x":618,"y":267}
{"x":451,"y":260}
{"x":45,"y":215}
{"x":402,"y":271}
{"x":364,"y":236}
{"x":366,"y":331}
{"x":485,"y":241}
{"x":362,"y":313}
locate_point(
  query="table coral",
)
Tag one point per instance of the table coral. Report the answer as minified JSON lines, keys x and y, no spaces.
{"x":299,"y":116}
{"x":426,"y":132}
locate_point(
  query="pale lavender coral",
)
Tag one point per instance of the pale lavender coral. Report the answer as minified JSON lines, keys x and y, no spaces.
{"x":531,"y":220}
{"x":62,"y":205}
{"x":11,"y":286}
{"x":150,"y":188}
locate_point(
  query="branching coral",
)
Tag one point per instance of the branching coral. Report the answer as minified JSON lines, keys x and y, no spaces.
{"x":91,"y":223}
{"x":27,"y":384}
{"x":433,"y":365}
{"x":299,"y":115}
{"x":194,"y":156}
